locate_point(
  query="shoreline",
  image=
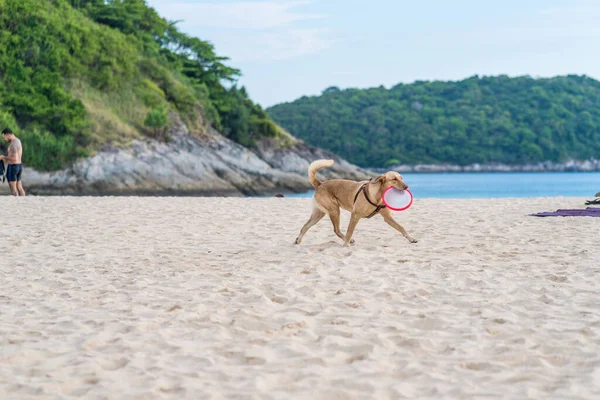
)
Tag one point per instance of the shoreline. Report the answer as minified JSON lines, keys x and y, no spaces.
{"x":36,"y":190}
{"x":546,"y":166}
{"x":450,"y":171}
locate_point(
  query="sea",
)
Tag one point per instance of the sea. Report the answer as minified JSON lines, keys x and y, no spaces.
{"x":485,"y":185}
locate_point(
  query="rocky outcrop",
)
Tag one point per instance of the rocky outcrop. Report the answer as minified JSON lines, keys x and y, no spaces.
{"x":296,"y":158}
{"x":209,"y":165}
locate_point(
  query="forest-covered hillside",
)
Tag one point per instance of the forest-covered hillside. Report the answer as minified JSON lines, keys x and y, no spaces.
{"x":476,"y":120}
{"x":76,"y":75}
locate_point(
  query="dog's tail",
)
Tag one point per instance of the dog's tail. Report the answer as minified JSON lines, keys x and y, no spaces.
{"x":314,"y":167}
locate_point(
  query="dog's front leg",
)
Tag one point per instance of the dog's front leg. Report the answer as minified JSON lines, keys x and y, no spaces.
{"x":387,"y":217}
{"x":354,"y":218}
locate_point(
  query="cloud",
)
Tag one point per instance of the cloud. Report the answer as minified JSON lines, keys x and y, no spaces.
{"x":267,"y":30}
{"x":239,"y":15}
{"x":583,"y":11}
{"x":285,"y":45}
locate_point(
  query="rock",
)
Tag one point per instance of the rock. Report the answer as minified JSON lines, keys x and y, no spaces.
{"x":209,"y":165}
{"x":296,"y":158}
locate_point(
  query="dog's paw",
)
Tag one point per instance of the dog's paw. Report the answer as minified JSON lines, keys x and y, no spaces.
{"x":298,"y":241}
{"x":412,"y":240}
{"x":345,"y":241}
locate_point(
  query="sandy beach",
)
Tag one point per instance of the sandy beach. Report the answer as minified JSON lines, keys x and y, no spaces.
{"x":208,"y":298}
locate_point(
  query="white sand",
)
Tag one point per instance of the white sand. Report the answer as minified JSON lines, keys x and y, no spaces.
{"x":191,"y":298}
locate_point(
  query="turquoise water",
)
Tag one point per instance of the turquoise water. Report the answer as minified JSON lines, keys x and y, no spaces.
{"x":498,"y":185}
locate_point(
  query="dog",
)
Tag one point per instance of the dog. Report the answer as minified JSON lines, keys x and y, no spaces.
{"x":362,"y":199}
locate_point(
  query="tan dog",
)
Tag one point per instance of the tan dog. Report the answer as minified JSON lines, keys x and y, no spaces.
{"x":362,"y":199}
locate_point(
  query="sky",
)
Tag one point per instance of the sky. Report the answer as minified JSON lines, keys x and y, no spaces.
{"x":287,"y":49}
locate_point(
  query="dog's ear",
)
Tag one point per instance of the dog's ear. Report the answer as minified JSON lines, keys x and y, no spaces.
{"x":380,"y":179}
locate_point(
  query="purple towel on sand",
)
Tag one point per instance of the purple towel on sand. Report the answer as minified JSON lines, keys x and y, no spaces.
{"x":588,"y":212}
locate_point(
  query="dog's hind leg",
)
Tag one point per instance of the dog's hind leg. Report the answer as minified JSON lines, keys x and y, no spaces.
{"x":334,"y":215}
{"x":354,"y":218}
{"x":316,"y":216}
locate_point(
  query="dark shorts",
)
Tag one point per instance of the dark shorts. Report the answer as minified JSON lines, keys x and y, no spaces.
{"x":13,"y":172}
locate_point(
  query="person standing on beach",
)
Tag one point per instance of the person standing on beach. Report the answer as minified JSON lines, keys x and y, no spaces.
{"x":14,"y":167}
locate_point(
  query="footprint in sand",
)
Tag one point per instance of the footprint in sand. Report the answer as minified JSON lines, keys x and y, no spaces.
{"x":555,"y":278}
{"x":279,"y":299}
{"x":323,"y":247}
{"x":255,"y":361}
{"x":113,"y":365}
{"x":476,"y":366}
{"x":353,"y":359}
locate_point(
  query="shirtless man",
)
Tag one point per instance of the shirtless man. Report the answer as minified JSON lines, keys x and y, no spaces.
{"x":13,"y":159}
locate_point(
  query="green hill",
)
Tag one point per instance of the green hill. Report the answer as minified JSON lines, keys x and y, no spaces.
{"x":76,"y":75}
{"x":476,"y":120}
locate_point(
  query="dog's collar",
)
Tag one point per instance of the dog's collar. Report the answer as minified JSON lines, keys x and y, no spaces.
{"x":378,"y":207}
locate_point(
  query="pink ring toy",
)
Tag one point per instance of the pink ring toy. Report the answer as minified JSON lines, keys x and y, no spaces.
{"x":397,"y":200}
